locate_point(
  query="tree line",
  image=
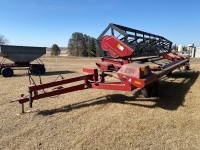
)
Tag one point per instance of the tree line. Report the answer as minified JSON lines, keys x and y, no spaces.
{"x":83,"y":45}
{"x":78,"y":45}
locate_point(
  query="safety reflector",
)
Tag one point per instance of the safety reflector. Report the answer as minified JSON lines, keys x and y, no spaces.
{"x":143,"y":68}
{"x":137,"y":82}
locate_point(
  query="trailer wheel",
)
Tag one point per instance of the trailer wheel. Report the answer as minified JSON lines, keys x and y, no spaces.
{"x":150,"y":90}
{"x":7,"y":72}
{"x":37,"y":69}
{"x":182,"y":68}
{"x":144,"y":92}
{"x":41,"y":70}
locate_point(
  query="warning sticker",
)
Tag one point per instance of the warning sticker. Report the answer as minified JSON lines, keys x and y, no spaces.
{"x":120,"y":47}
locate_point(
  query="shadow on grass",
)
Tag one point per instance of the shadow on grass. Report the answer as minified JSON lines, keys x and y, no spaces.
{"x":48,"y":73}
{"x":171,"y":95}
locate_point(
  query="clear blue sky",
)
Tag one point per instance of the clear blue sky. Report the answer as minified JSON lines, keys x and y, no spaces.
{"x":45,"y":22}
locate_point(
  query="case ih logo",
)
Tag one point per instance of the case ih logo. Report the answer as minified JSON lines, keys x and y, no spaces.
{"x":120,"y":47}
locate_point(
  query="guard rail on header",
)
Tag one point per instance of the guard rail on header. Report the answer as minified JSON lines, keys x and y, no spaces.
{"x":142,"y":43}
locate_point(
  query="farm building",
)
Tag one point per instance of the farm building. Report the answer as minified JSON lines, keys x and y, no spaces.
{"x":196,"y":52}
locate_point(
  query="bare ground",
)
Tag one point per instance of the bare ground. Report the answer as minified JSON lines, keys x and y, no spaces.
{"x":101,"y":119}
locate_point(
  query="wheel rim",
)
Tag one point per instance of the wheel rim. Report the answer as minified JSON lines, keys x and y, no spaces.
{"x":182,"y":68}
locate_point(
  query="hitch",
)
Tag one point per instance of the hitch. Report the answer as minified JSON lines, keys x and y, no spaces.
{"x":90,"y":75}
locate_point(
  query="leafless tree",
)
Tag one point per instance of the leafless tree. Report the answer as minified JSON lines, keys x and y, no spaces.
{"x":3,"y":40}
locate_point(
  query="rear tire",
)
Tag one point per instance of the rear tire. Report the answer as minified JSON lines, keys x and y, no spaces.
{"x":7,"y":72}
{"x":41,"y":70}
{"x":144,"y":92}
{"x":150,"y":90}
{"x":37,"y":69}
{"x":169,"y":74}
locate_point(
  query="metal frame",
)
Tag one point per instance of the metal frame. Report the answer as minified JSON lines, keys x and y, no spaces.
{"x":143,"y":43}
{"x":132,"y":73}
{"x":91,"y":80}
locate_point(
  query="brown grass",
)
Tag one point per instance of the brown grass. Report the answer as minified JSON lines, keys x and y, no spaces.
{"x":101,"y":119}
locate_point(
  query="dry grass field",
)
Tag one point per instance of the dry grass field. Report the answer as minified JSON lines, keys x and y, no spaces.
{"x":101,"y":119}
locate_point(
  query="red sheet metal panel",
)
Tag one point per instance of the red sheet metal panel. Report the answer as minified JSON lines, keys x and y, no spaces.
{"x":115,"y":47}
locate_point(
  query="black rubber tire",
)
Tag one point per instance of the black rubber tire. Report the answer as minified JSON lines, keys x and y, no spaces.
{"x":41,"y":70}
{"x":37,"y":69}
{"x":144,"y":92}
{"x":7,"y":72}
{"x":150,"y":90}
